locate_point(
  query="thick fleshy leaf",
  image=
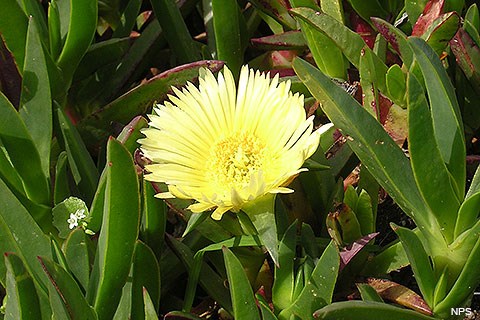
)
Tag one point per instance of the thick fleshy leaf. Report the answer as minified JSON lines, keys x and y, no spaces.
{"x":230,"y":33}
{"x":372,"y":144}
{"x":21,"y":294}
{"x":278,"y":10}
{"x":198,"y":264}
{"x":367,"y":9}
{"x":432,"y":176}
{"x":139,"y":99}
{"x":176,"y":31}
{"x":390,"y":259}
{"x":61,"y":186}
{"x":81,"y":29}
{"x":368,"y":293}
{"x":211,"y":282}
{"x":150,"y":313}
{"x":154,"y":220}
{"x":145,"y":276}
{"x":128,"y":19}
{"x":400,"y":295}
{"x":23,"y":153}
{"x":318,"y":290}
{"x":285,"y":41}
{"x":79,"y":254}
{"x":350,"y":43}
{"x":119,"y":231}
{"x":467,"y":55}
{"x":325,"y":51}
{"x":262,"y":214}
{"x":431,"y":11}
{"x":419,"y":260}
{"x":414,"y":9}
{"x":21,"y":235}
{"x":396,"y":84}
{"x":99,"y":55}
{"x":243,"y":300}
{"x":128,"y":137}
{"x":283,"y":285}
{"x":15,"y":38}
{"x":464,"y":286}
{"x":81,"y":164}
{"x":396,"y":38}
{"x":361,"y":310}
{"x":447,"y":122}
{"x":73,"y":304}
{"x":442,"y":29}
{"x":35,"y":102}
{"x":54,"y":36}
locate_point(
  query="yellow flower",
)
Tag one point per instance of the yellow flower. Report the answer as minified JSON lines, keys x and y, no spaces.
{"x":224,"y":147}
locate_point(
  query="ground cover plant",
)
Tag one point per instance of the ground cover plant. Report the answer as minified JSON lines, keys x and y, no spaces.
{"x":224,"y":159}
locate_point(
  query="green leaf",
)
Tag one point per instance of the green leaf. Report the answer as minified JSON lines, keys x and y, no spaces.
{"x":211,"y":282}
{"x":333,"y":8}
{"x":430,"y":172}
{"x":474,"y":185}
{"x":81,"y":29}
{"x":21,"y":294}
{"x":441,"y":287}
{"x":367,"y":9}
{"x":277,"y":10}
{"x":441,"y":30}
{"x":119,"y":231}
{"x":284,"y":41}
{"x":350,"y":43}
{"x":396,"y":38}
{"x":364,"y":212}
{"x":243,"y":300}
{"x":283,"y":285}
{"x":23,"y":153}
{"x":128,"y":19}
{"x":420,"y":262}
{"x":368,"y":293}
{"x":229,"y":27}
{"x":154,"y":219}
{"x":79,"y":253}
{"x":139,"y":99}
{"x":61,"y":187}
{"x":396,"y":84}
{"x":150,"y":313}
{"x":15,"y":38}
{"x":20,"y":234}
{"x":81,"y":164}
{"x":447,"y":122}
{"x":54,"y":34}
{"x":35,"y":102}
{"x":318,"y":290}
{"x":361,"y":310}
{"x":100,"y":55}
{"x":390,"y":259}
{"x":465,"y":285}
{"x":175,"y":30}
{"x":473,"y":16}
{"x":374,"y":147}
{"x":262,"y":214}
{"x":326,"y":53}
{"x":72,"y":302}
{"x":414,"y":9}
{"x":145,"y":276}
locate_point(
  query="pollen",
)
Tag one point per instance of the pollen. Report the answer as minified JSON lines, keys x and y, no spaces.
{"x":234,"y":160}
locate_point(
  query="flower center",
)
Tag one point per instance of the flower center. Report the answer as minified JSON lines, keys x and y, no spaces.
{"x":233,"y":160}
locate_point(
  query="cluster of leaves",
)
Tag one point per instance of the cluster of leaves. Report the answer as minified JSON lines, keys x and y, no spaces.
{"x":75,"y":74}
